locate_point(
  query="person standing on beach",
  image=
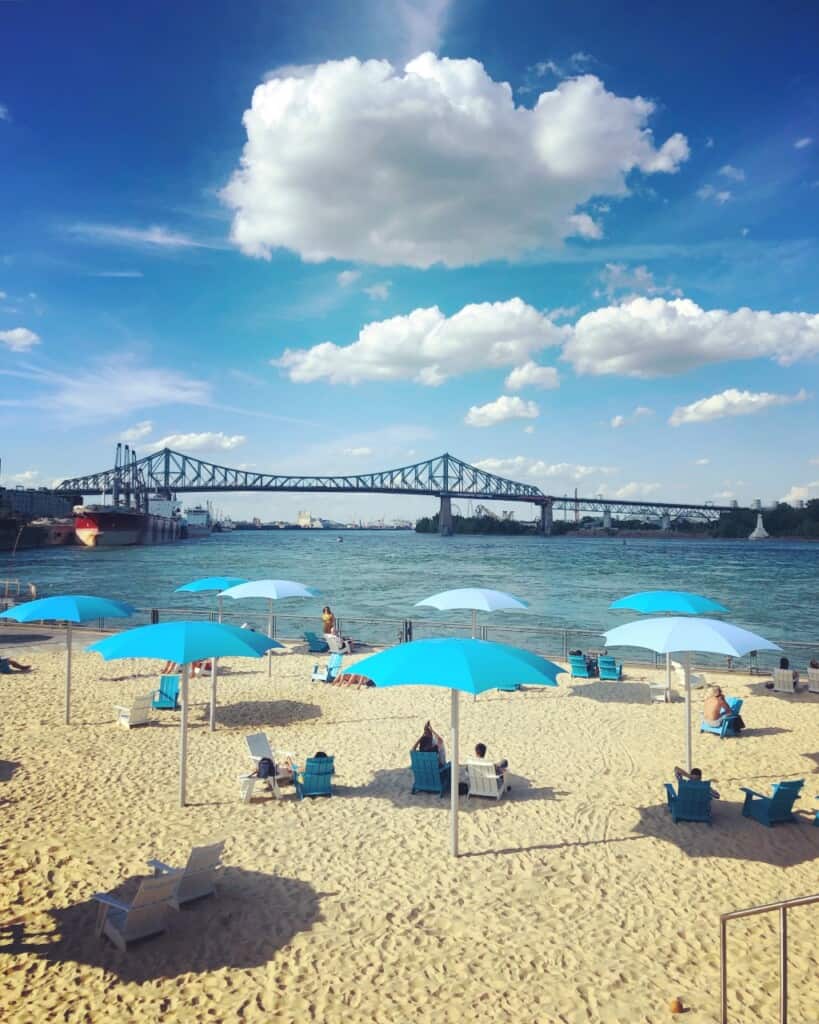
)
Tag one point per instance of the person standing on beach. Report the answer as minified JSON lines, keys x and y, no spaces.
{"x":328,"y":620}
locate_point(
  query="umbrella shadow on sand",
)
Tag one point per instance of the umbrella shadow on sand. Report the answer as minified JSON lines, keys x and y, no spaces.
{"x":250,"y":918}
{"x":732,"y":836}
{"x":395,"y":785}
{"x":263,"y":712}
{"x":628,"y":692}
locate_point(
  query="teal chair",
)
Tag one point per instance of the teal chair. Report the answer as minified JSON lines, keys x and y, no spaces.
{"x":166,"y":698}
{"x":816,"y":819}
{"x":577,"y":663}
{"x":608,"y":667}
{"x":691,"y":802}
{"x":427,"y":775}
{"x":727,"y":725}
{"x":775,"y":809}
{"x":316,"y":779}
{"x":315,"y":645}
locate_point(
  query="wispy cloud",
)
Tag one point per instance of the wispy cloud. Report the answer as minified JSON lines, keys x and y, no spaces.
{"x":379,"y":291}
{"x":734,"y":173}
{"x":207,"y":441}
{"x":138,"y":432}
{"x":803,"y":143}
{"x":154,"y":237}
{"x":719,"y":196}
{"x":116,"y":273}
{"x":731,"y":402}
{"x":4,"y":112}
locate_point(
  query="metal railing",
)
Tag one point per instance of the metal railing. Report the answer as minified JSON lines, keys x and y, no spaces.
{"x":17,"y":590}
{"x":783,"y":906}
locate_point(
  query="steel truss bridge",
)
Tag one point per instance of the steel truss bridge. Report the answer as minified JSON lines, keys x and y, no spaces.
{"x":443,"y":477}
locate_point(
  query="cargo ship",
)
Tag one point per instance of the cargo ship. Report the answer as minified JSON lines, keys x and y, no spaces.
{"x":199,"y":521}
{"x":122,"y":525}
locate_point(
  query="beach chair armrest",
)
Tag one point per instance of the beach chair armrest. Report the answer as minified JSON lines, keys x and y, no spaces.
{"x":110,"y":901}
{"x":669,"y":792}
{"x":121,"y":707}
{"x":161,"y":868}
{"x":752,"y":793}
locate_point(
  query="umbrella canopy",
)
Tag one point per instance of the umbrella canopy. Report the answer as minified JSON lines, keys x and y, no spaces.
{"x":472,"y":666}
{"x":273,"y":590}
{"x":184,"y":642}
{"x":208,"y":584}
{"x":675,"y":634}
{"x":69,"y":608}
{"x":677,"y":602}
{"x":477,"y":599}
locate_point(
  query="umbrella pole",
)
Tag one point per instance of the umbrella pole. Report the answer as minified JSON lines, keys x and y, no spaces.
{"x":183,"y":738}
{"x":270,"y":634}
{"x":454,"y":776}
{"x":668,"y":675}
{"x":68,"y":675}
{"x":474,"y":624}
{"x":213,"y":662}
{"x":219,"y":606}
{"x":688,"y":758}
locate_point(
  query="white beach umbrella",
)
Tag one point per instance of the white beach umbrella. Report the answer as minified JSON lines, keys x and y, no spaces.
{"x":678,"y":635}
{"x":270,"y":590}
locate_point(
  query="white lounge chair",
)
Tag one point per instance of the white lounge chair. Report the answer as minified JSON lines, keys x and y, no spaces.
{"x":258,"y":746}
{"x":136,"y":714}
{"x":197,"y":878}
{"x":783,"y":680}
{"x":484,"y":780}
{"x":146,"y":915}
{"x":697,"y":681}
{"x":813,"y":680}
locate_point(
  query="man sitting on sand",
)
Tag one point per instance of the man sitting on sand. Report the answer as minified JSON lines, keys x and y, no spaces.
{"x":715,"y":708}
{"x":8,"y":665}
{"x":430,"y":741}
{"x":500,"y":766}
{"x":695,"y":775}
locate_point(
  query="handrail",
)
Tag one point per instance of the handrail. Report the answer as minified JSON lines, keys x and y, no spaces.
{"x":782,"y":906}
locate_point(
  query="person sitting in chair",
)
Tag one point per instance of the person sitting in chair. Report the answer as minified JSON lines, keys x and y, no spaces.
{"x":430,"y":741}
{"x":784,"y":663}
{"x":715,"y":708}
{"x":339,"y":644}
{"x":695,"y":775}
{"x":500,"y":766}
{"x":8,"y":665}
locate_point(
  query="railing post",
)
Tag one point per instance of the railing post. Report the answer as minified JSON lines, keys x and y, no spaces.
{"x":154,"y":616}
{"x":783,"y":965}
{"x":723,"y":970}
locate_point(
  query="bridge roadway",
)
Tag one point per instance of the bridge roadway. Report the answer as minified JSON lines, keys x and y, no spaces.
{"x":444,"y":477}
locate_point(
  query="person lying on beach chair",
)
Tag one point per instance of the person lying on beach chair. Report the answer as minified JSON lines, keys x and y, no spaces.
{"x":500,"y":766}
{"x":716,"y":708}
{"x":9,"y":665}
{"x":351,"y":679}
{"x":695,"y":775}
{"x":430,"y":741}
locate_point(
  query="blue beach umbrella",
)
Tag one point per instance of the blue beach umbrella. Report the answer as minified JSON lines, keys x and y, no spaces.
{"x":679,"y":635}
{"x":669,"y":602}
{"x":210,"y":585}
{"x":270,"y":590}
{"x":476,"y":599}
{"x":183,"y":643}
{"x":69,"y":608}
{"x":469,"y":666}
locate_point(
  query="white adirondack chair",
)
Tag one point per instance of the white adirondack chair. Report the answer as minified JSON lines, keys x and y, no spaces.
{"x":813,"y":680}
{"x":484,"y":780}
{"x":197,"y":878}
{"x":258,"y":746}
{"x":697,"y":681}
{"x":146,"y":915}
{"x":136,"y":714}
{"x":783,"y":680}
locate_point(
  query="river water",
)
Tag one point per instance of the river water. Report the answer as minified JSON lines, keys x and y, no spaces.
{"x":769,"y":587}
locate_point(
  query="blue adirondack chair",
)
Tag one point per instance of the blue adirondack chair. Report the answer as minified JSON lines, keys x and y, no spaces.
{"x":775,"y":809}
{"x":330,"y":670}
{"x":166,"y":698}
{"x":691,"y":802}
{"x":316,"y":779}
{"x":577,"y":663}
{"x":727,"y":725}
{"x":427,"y":775}
{"x":315,"y":644}
{"x":608,"y":667}
{"x":816,"y":819}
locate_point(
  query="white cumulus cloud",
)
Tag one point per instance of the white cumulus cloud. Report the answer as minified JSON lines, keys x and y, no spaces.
{"x":27,"y":477}
{"x":19,"y":339}
{"x":530,"y":375}
{"x":621,"y":420}
{"x":428,"y":347}
{"x":356,"y":160}
{"x":719,"y":196}
{"x":635,"y":490}
{"x":379,"y":291}
{"x":538,"y":471}
{"x":348,"y":277}
{"x":504,"y":408}
{"x":618,"y":279}
{"x":209,"y":441}
{"x":138,"y":432}
{"x":652,"y":337}
{"x":734,"y":173}
{"x":801,"y":492}
{"x":731,"y":402}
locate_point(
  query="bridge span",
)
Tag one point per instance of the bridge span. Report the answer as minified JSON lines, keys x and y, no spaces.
{"x":444,"y":477}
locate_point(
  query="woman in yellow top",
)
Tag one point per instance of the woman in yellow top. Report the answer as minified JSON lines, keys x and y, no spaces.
{"x":328,"y":620}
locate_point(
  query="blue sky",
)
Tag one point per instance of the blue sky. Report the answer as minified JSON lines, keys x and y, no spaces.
{"x":600,"y":275}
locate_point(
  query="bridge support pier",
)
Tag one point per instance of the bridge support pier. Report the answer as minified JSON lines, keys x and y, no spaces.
{"x":607,"y":519}
{"x":545,"y":527}
{"x":665,"y":522}
{"x":445,"y":516}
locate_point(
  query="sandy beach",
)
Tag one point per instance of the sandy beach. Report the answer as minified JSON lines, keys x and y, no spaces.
{"x":576,"y":900}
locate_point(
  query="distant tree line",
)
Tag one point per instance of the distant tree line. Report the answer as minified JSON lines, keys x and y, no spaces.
{"x":475,"y":524}
{"x":781,"y":521}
